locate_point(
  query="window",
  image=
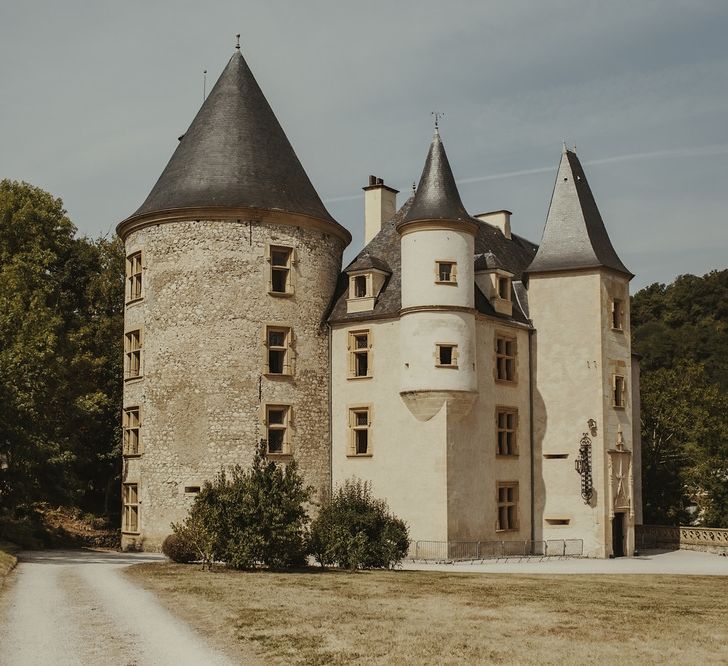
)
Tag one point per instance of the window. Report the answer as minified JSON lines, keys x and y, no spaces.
{"x":280,"y":270}
{"x":132,"y":354}
{"x":360,"y":425}
{"x":134,"y":277}
{"x":504,"y":288}
{"x":192,"y":490}
{"x":361,"y":286}
{"x":617,"y":315}
{"x":447,"y":356}
{"x":130,"y":500}
{"x":619,"y":388}
{"x":359,"y":350}
{"x":507,"y":428}
{"x":277,"y":417}
{"x":446,"y":272}
{"x":278,"y":350}
{"x":130,"y":425}
{"x":507,"y":506}
{"x":505,"y":359}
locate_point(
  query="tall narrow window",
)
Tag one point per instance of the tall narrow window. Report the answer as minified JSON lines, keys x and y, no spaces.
{"x":130,"y":502}
{"x":361,"y":287}
{"x":507,"y":506}
{"x":505,"y":359}
{"x":446,"y":272}
{"x":132,"y":354}
{"x":280,"y":270}
{"x":447,"y":356}
{"x":359,"y":354}
{"x":134,"y":276}
{"x":507,"y":427}
{"x":617,"y":315}
{"x":359,"y":426}
{"x":619,"y":388}
{"x":131,"y":426}
{"x":278,"y":343}
{"x":504,"y":288}
{"x":277,"y":418}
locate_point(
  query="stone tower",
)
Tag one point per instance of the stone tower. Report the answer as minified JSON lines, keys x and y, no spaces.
{"x":437,"y":315}
{"x":232,"y":262}
{"x":578,"y":294}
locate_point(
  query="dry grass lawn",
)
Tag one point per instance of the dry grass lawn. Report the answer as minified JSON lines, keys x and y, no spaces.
{"x":409,"y":617}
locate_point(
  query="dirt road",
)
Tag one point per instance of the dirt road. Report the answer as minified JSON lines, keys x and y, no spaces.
{"x":75,"y":607}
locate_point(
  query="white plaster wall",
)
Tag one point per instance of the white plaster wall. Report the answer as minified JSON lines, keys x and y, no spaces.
{"x":408,"y":466}
{"x":421,"y":249}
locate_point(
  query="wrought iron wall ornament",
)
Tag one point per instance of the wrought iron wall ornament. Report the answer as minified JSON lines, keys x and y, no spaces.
{"x":583,"y":466}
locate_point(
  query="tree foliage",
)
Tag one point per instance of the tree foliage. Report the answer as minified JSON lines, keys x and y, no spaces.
{"x":355,"y":530}
{"x":251,"y":516}
{"x":681,"y":332}
{"x":61,"y":324}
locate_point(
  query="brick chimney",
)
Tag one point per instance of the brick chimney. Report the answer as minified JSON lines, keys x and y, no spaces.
{"x":380,"y":204}
{"x":498,"y":218}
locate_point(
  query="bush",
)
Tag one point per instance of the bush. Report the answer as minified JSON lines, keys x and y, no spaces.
{"x":178,"y":548}
{"x":250,"y":517}
{"x":357,"y":531}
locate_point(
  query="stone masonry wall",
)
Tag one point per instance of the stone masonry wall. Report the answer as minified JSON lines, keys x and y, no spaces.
{"x":202,"y":393}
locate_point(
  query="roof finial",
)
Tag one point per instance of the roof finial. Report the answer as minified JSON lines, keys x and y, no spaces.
{"x":237,"y":41}
{"x":204,"y":85}
{"x":437,"y":115}
{"x":414,"y":188}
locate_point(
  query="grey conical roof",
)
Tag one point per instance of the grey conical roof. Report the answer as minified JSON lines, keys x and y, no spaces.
{"x":235,"y":153}
{"x":574,"y":235}
{"x":437,"y":196}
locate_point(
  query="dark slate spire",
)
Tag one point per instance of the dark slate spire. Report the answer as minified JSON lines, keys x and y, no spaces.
{"x":235,"y":153}
{"x":574,"y":235}
{"x":437,"y":196}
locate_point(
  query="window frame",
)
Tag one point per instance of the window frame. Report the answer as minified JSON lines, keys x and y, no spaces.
{"x":134,"y":270}
{"x":512,"y":504}
{"x":617,"y":315}
{"x":453,"y":271}
{"x":130,"y":508}
{"x":133,"y":355}
{"x":506,"y":411}
{"x":504,"y":357}
{"x":129,"y":427}
{"x":355,"y":427}
{"x":355,"y":352}
{"x":286,"y":450}
{"x":619,"y":391}
{"x":271,"y":249}
{"x":368,"y":278}
{"x":454,"y":355}
{"x":501,"y":279}
{"x":287,"y":350}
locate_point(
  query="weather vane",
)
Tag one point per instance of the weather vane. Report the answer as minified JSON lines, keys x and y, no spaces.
{"x":237,"y":41}
{"x":438,"y":115}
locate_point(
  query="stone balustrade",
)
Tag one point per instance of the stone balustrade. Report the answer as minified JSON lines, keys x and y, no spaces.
{"x":710,"y":539}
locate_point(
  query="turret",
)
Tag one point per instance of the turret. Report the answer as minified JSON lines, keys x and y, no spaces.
{"x":437,"y":319}
{"x":578,"y":294}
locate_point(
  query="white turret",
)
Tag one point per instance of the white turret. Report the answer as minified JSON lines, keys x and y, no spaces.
{"x":437,"y":320}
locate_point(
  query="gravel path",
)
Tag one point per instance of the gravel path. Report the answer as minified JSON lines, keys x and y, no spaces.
{"x":75,"y":607}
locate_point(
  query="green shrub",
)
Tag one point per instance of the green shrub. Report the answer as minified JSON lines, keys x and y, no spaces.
{"x":178,"y":548}
{"x":357,"y":531}
{"x":251,"y":516}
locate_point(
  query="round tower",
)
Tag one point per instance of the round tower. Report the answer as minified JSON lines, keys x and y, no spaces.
{"x":232,"y":262}
{"x":437,"y":319}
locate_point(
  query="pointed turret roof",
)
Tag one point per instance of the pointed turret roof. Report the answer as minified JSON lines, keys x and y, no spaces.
{"x":437,"y":196}
{"x":235,"y":154}
{"x":574,"y":235}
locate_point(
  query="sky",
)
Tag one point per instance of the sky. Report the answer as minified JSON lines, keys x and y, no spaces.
{"x":94,"y":96}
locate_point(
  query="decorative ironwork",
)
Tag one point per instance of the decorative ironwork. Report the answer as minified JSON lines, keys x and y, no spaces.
{"x":583,"y":466}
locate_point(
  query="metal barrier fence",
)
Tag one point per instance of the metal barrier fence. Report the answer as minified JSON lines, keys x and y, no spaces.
{"x":490,"y":550}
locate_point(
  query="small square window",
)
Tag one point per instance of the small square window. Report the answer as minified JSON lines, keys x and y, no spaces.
{"x":280,"y":270}
{"x":359,"y":426}
{"x":360,"y":286}
{"x":447,"y":356}
{"x":446,"y":272}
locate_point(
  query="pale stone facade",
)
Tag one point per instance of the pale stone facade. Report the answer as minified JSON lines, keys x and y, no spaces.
{"x":454,"y":365}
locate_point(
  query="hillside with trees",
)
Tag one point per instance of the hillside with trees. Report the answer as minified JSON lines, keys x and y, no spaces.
{"x":681,"y":332}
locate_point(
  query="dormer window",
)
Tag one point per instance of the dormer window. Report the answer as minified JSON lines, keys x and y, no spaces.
{"x":504,"y":288}
{"x":360,"y":286}
{"x":446,"y":272}
{"x":367,"y":276}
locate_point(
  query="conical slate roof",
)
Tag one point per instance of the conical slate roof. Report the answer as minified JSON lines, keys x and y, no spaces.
{"x":235,"y":153}
{"x":574,"y":235}
{"x":437,"y":196}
